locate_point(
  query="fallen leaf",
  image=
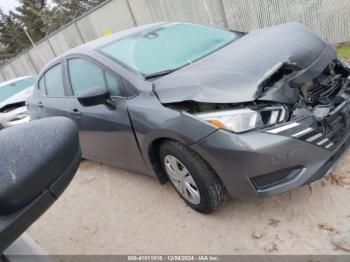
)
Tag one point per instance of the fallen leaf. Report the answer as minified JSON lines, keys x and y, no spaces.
{"x":275,"y":247}
{"x":274,"y":222}
{"x":327,"y":227}
{"x":272,"y":248}
{"x":338,"y":180}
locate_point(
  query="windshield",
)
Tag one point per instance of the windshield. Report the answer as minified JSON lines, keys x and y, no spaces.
{"x":9,"y":90}
{"x":167,"y":48}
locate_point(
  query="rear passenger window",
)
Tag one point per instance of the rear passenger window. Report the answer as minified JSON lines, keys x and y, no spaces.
{"x":54,"y":81}
{"x":84,"y":76}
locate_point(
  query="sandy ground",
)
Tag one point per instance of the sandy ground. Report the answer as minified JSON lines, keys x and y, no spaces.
{"x":112,"y":211}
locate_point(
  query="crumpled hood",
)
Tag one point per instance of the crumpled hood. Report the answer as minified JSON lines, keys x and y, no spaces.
{"x":17,"y":98}
{"x":234,"y":73}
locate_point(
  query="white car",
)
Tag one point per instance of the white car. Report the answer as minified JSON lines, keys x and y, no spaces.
{"x":13,"y":96}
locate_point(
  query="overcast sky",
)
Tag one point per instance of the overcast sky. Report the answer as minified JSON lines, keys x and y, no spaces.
{"x":7,"y":5}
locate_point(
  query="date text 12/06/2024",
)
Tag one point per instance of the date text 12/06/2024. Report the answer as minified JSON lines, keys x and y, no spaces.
{"x":173,"y":258}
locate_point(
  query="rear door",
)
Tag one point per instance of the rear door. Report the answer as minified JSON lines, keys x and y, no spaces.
{"x":49,"y":98}
{"x":106,"y":134}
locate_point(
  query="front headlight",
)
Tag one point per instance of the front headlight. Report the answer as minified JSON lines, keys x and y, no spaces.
{"x":16,"y":117}
{"x":245,"y":119}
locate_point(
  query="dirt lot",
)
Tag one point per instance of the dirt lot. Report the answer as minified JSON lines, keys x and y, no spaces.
{"x":112,"y":211}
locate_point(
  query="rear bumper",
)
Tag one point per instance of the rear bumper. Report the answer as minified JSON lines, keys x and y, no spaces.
{"x":248,"y":163}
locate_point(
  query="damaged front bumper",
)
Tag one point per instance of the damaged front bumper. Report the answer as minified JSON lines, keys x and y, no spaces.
{"x":14,"y":117}
{"x":273,"y":160}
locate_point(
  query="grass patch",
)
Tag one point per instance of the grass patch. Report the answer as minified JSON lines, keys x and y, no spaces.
{"x":343,"y":52}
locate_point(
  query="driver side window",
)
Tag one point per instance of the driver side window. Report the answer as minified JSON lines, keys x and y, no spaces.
{"x":85,"y":75}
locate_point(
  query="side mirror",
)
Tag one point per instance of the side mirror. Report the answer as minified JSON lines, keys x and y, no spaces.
{"x":38,"y":160}
{"x":96,"y":96}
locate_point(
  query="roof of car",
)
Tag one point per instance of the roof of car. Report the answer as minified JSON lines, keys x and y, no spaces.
{"x":116,"y":36}
{"x":105,"y":40}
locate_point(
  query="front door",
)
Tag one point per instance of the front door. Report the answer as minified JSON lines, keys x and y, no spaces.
{"x":106,"y":133}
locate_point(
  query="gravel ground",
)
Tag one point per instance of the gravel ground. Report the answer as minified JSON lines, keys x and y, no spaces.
{"x":113,"y":211}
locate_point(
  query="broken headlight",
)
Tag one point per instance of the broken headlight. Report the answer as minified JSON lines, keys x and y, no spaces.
{"x":245,"y":119}
{"x":17,"y":117}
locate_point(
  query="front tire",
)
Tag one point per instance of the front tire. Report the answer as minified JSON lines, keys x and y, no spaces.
{"x":193,"y":179}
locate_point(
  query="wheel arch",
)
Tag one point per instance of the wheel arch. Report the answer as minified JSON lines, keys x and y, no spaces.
{"x":150,"y":151}
{"x":153,"y":155}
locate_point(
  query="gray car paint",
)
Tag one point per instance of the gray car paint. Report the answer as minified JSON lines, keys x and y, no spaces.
{"x":141,"y":119}
{"x":234,"y":73}
{"x":126,"y":151}
{"x":237,"y":158}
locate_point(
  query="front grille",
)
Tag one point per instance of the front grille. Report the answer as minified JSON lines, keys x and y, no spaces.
{"x":327,"y":134}
{"x":336,"y":126}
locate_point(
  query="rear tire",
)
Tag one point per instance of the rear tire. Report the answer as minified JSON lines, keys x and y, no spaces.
{"x":193,"y":179}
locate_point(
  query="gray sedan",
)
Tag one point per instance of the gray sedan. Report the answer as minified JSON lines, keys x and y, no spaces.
{"x":217,"y":113}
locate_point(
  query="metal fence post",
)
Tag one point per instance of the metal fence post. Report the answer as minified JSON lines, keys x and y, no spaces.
{"x":208,"y":13}
{"x":2,"y":74}
{"x":13,"y":69}
{"x":50,"y":45}
{"x":223,"y":14}
{"x":31,"y":60}
{"x":131,"y":12}
{"x":79,"y":32}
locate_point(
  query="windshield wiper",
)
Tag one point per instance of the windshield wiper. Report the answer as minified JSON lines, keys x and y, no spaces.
{"x":161,"y":73}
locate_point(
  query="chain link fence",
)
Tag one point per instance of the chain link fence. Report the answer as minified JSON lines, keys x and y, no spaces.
{"x":330,"y":18}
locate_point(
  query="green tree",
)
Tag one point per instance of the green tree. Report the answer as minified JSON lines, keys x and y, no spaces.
{"x":64,"y":11}
{"x":71,"y":9}
{"x":29,"y":15}
{"x":12,"y":36}
{"x":39,"y":20}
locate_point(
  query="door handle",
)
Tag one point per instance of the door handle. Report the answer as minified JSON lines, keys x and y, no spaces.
{"x":40,"y":104}
{"x":76,"y":112}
